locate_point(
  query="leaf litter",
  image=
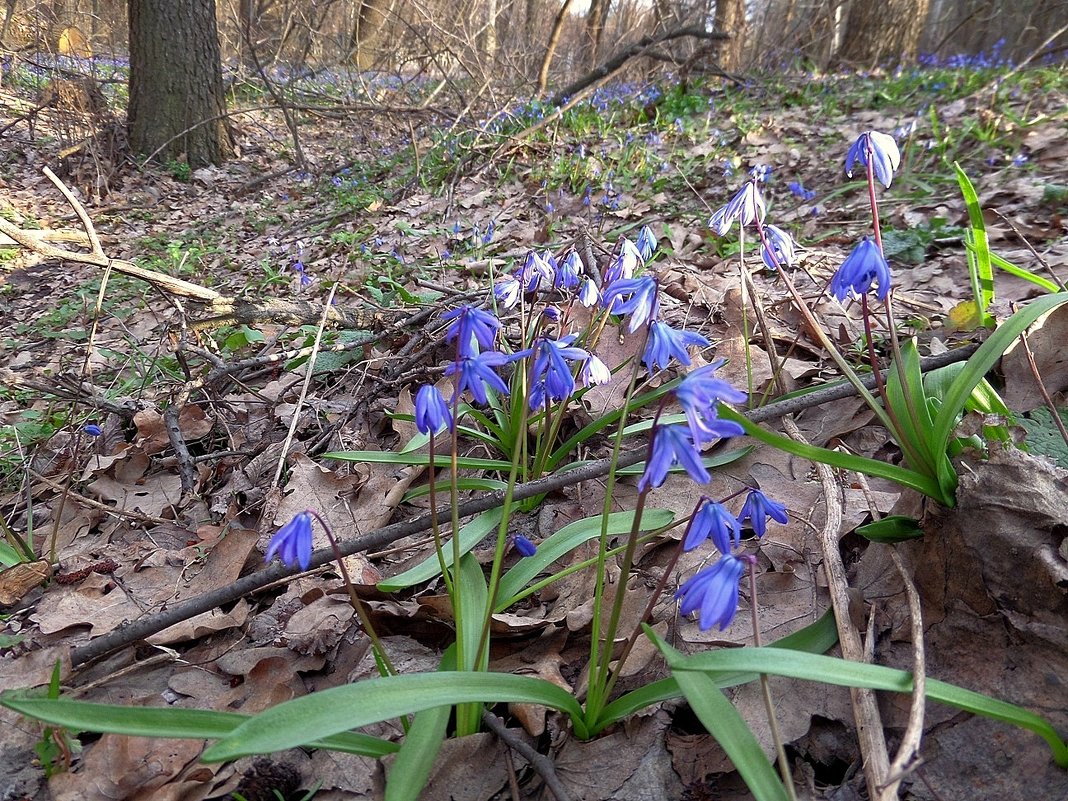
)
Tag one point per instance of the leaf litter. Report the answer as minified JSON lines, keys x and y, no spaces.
{"x":119,"y":497}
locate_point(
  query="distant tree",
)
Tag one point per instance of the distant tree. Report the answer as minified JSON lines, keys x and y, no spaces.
{"x":595,"y":20}
{"x":885,"y":32}
{"x":730,"y":19}
{"x":177,"y":101}
{"x":371,"y":16}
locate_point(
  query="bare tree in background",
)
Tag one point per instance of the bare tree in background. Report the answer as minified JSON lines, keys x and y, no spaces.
{"x":595,"y":23}
{"x":550,"y":48}
{"x":886,"y":32}
{"x":730,"y":19}
{"x":177,"y":104}
{"x":371,"y":16}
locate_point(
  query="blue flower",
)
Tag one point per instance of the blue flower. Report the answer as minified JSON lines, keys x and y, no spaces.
{"x":757,"y":508}
{"x":713,"y":521}
{"x":551,"y":378}
{"x":476,"y":372}
{"x":713,"y":593}
{"x":641,"y":303}
{"x":589,"y":296}
{"x":93,"y":430}
{"x":646,"y":243}
{"x":781,"y":245}
{"x":524,"y":546}
{"x":569,"y":273}
{"x":293,"y":542}
{"x":699,"y":394}
{"x":666,"y":343}
{"x":470,"y":325}
{"x":880,"y":150}
{"x":507,"y":291}
{"x":672,"y":445}
{"x":864,"y":266}
{"x":431,"y":411}
{"x":746,"y":206}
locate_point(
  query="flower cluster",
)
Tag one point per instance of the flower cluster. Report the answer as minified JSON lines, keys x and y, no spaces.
{"x":713,"y":592}
{"x":866,"y":267}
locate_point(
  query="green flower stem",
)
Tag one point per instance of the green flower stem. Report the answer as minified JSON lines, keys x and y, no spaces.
{"x":765,"y":691}
{"x":502,"y":537}
{"x":595,"y":697}
{"x":381,"y":657}
{"x":435,"y":529}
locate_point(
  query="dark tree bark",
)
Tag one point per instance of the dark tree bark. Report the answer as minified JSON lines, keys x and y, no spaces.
{"x":884,"y":33}
{"x":176,"y":93}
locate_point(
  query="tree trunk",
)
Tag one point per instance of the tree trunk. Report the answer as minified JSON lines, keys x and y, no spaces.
{"x":730,"y":19}
{"x":176,"y":92}
{"x":884,"y":33}
{"x":595,"y":19}
{"x":371,"y":18}
{"x":550,"y":48}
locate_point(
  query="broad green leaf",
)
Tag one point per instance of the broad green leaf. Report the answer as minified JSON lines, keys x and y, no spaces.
{"x":893,"y":528}
{"x":311,"y":717}
{"x":440,"y":459}
{"x":470,"y":536}
{"x":905,"y":395}
{"x":182,"y":724}
{"x":830,"y":670}
{"x":566,"y":540}
{"x":711,"y":462}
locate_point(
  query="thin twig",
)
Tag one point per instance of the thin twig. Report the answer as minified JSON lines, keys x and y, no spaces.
{"x":865,"y":705}
{"x":1046,"y":398}
{"x":541,"y":763}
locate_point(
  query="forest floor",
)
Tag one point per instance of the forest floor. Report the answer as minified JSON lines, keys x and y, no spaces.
{"x":407,"y":217}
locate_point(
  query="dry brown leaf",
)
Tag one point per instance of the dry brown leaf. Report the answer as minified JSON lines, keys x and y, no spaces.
{"x":152,"y":437}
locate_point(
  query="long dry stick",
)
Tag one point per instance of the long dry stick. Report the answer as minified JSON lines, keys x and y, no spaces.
{"x":865,"y":705}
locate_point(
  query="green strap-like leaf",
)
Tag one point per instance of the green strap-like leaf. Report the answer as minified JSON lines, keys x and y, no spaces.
{"x":311,"y":717}
{"x":815,"y":638}
{"x":181,"y":724}
{"x":899,"y":475}
{"x":733,"y":734}
{"x":470,"y":536}
{"x":980,"y":363}
{"x":440,"y":459}
{"x":830,"y":670}
{"x":566,"y":540}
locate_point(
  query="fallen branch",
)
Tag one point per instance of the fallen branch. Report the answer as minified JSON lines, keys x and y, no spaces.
{"x":223,"y":310}
{"x":638,"y":48}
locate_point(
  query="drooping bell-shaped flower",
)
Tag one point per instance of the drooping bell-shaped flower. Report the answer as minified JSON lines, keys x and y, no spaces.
{"x":878,"y":150}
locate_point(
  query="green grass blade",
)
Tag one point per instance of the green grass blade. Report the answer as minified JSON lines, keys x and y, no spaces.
{"x":982,"y":275}
{"x":729,"y":728}
{"x":899,"y":475}
{"x":179,"y":724}
{"x":830,"y":670}
{"x":566,"y":540}
{"x":440,"y":459}
{"x":980,"y":363}
{"x":470,"y":536}
{"x":411,"y":769}
{"x":311,"y":717}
